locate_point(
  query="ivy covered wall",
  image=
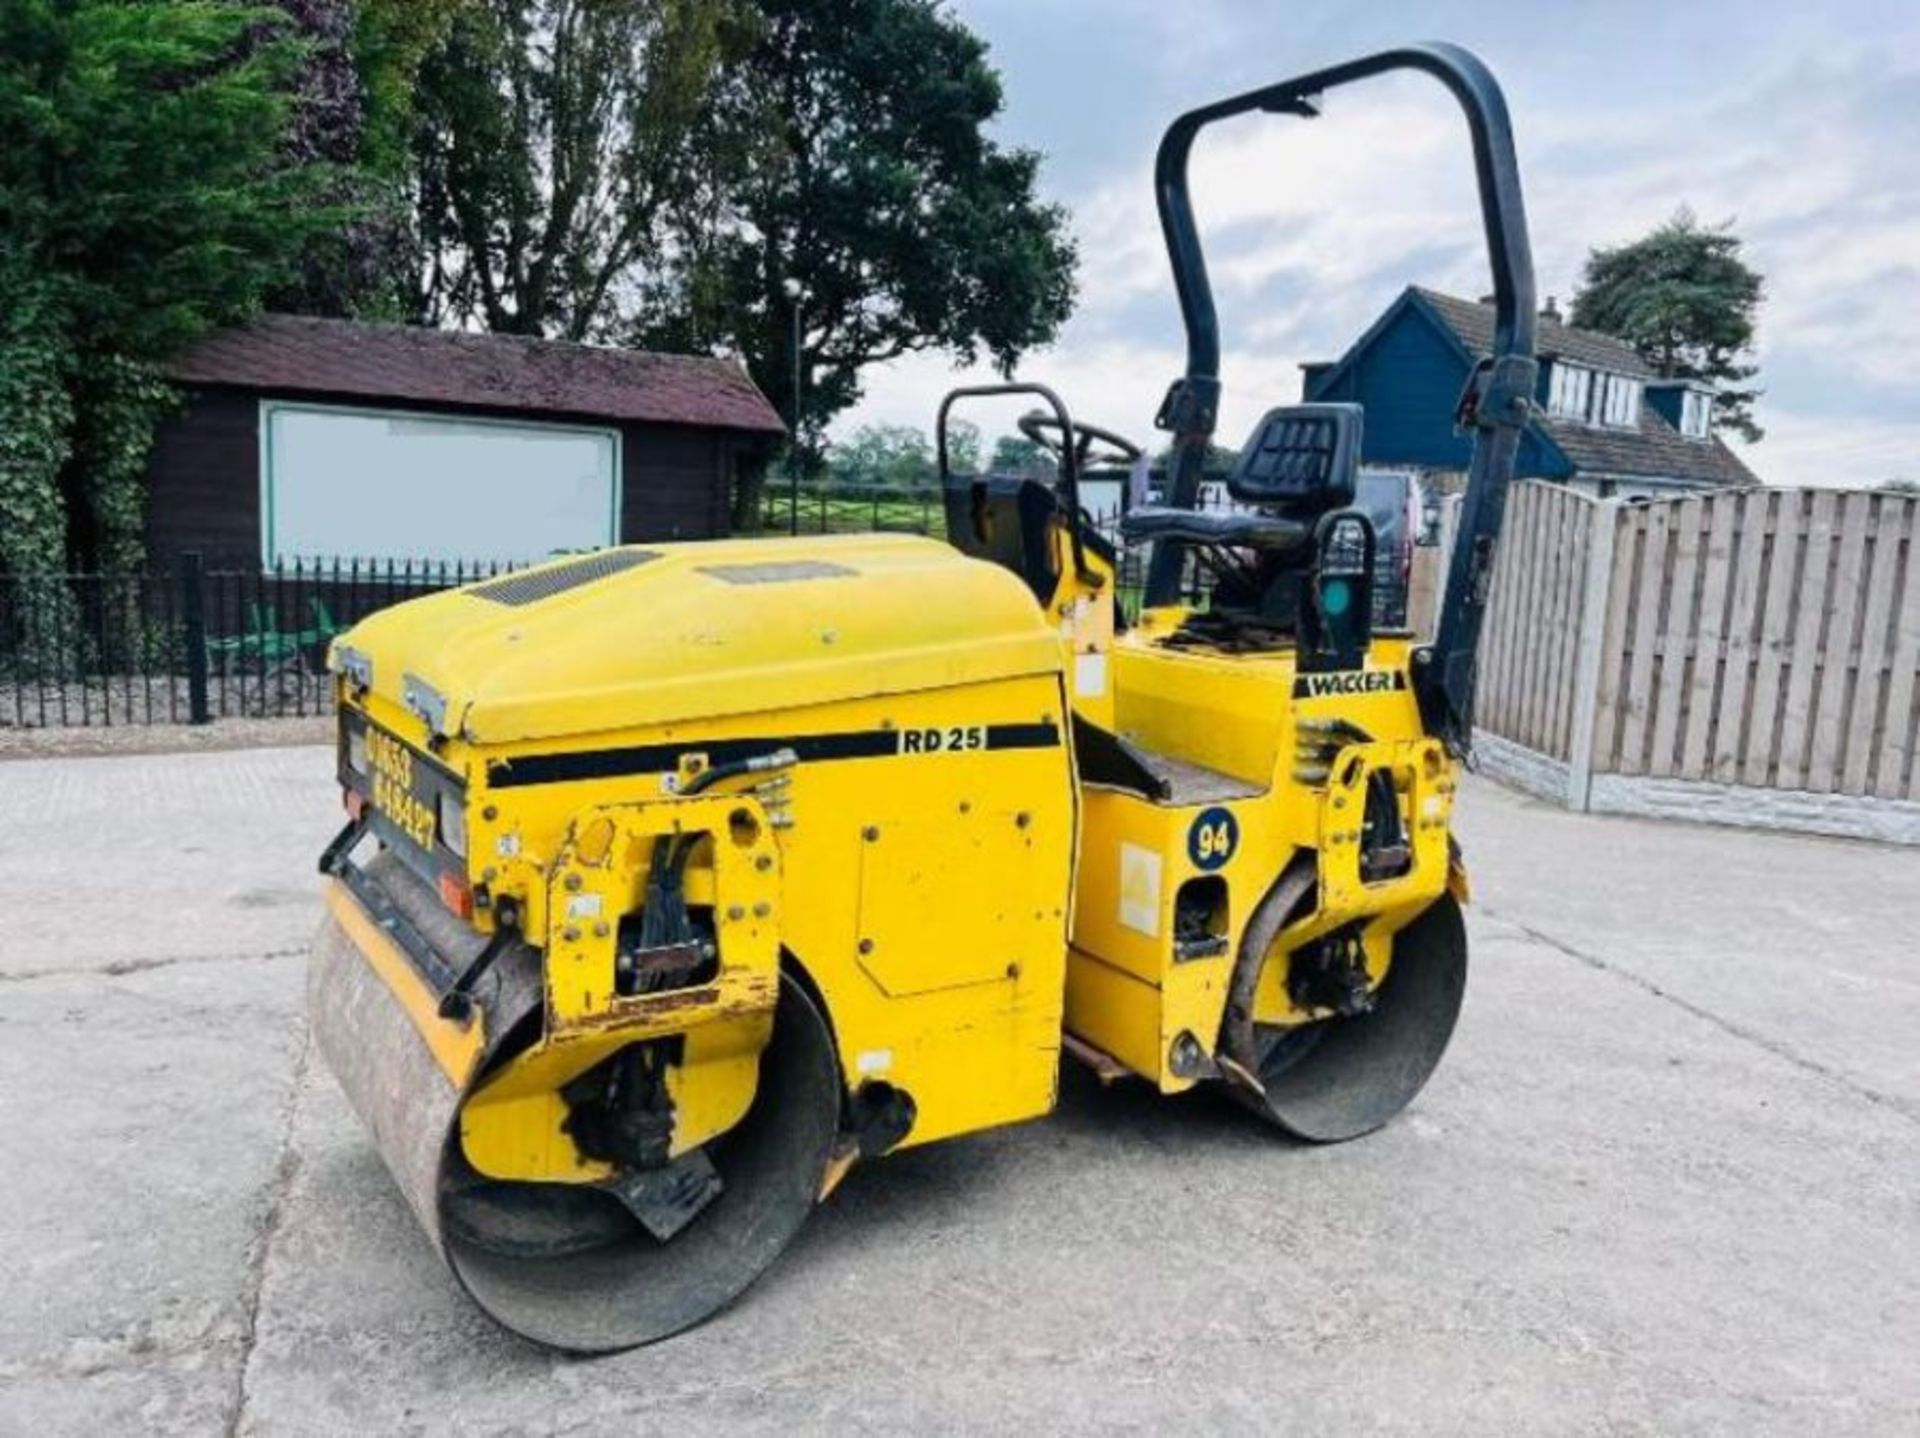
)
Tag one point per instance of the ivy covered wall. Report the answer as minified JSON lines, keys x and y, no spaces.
{"x":150,"y":189}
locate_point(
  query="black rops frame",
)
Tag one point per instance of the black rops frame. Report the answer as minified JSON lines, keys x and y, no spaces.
{"x":1497,"y":400}
{"x":1069,"y":449}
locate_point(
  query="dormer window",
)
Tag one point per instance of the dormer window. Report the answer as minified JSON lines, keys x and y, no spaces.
{"x":1570,"y":391}
{"x":1620,"y":406}
{"x":1593,"y":396}
{"x":1696,"y":414}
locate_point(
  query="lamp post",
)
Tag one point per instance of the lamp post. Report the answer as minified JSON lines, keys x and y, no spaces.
{"x":795,"y":292}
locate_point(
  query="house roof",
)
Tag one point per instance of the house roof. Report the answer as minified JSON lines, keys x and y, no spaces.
{"x":1656,"y":450}
{"x":1472,"y":324}
{"x":289,"y":354}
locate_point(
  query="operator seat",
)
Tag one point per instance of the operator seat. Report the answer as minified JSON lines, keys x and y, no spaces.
{"x":1289,"y":566}
{"x":1300,"y":463}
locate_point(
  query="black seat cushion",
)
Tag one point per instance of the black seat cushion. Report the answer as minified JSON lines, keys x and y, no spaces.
{"x":1302,"y":457}
{"x":1267,"y":532}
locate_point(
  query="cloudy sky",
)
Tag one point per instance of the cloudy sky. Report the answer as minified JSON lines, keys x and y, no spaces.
{"x":1799,"y":122}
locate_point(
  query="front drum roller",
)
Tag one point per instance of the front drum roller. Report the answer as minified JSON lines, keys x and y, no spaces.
{"x":564,"y":1265}
{"x":1338,"y":1078}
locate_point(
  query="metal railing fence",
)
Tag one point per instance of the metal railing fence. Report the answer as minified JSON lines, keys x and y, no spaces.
{"x":192,"y":642}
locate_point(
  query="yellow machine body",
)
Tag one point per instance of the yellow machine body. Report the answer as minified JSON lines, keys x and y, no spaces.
{"x":915,"y":861}
{"x":788,"y":854}
{"x":678,"y":878}
{"x":1248,"y":796}
{"x":1251,"y":786}
{"x":931,"y":860}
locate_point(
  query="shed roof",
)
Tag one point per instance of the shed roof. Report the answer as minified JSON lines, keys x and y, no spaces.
{"x":289,"y":354}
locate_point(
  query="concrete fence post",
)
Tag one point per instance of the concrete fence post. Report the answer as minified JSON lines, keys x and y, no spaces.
{"x":1602,"y":525}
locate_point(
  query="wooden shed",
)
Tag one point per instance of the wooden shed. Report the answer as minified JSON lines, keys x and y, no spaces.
{"x":308,"y":439}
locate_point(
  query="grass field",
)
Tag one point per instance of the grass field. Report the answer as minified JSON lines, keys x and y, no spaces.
{"x":843,"y":509}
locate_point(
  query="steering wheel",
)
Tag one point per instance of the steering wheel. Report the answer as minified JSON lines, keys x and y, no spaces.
{"x":1044,"y":430}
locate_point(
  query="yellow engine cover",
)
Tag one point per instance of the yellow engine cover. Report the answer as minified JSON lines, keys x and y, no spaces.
{"x":923,"y":840}
{"x":665,"y":634}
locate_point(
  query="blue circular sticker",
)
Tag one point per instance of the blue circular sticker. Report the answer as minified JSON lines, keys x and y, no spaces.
{"x":1213,"y":838}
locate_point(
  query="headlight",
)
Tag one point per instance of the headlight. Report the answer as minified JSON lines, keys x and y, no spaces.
{"x":357,"y":750}
{"x":453,"y":823}
{"x":1344,"y":550}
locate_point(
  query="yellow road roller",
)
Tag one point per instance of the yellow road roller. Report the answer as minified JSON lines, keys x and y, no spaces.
{"x":679,"y":879}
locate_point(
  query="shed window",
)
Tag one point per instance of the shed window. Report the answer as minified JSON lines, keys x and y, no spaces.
{"x":355,"y":483}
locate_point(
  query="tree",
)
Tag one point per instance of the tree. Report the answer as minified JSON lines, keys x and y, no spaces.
{"x":1016,"y":454}
{"x":1683,"y":297}
{"x":147,"y":197}
{"x":868,"y":181}
{"x":1219,"y":463}
{"x":551,"y":138}
{"x":354,"y":112}
{"x":327,"y":126}
{"x":391,"y":41}
{"x":963,"y":446}
{"x":897,"y":456}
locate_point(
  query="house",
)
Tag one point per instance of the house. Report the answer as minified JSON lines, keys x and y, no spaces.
{"x":1605,"y":422}
{"x":310,"y":439}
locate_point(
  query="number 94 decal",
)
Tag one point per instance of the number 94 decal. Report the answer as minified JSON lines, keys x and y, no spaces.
{"x":1213,"y":838}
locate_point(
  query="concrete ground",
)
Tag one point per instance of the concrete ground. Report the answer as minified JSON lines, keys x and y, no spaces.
{"x":1668,"y":1179}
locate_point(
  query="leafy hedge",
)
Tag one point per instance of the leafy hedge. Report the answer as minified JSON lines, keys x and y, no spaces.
{"x":148,"y":196}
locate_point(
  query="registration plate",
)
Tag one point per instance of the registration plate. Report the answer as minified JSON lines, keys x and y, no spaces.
{"x":393,"y":788}
{"x":405,"y":789}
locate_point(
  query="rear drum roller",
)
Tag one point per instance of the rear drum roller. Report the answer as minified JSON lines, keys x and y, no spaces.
{"x":568,"y":1265}
{"x":1339,"y":1078}
{"x":571,"y":1267}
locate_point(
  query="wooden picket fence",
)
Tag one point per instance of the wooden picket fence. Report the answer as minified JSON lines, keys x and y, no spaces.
{"x":1766,"y":638}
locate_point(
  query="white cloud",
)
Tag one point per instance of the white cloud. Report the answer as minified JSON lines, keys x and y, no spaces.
{"x":1802,"y":161}
{"x":1285,"y":205}
{"x":1818,"y":450}
{"x":1313,"y":227}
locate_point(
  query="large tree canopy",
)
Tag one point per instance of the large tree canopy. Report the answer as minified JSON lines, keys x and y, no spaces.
{"x":145,"y":183}
{"x":871,"y":188}
{"x":552,"y":137}
{"x":353,"y":113}
{"x":638,"y":171}
{"x":1686,"y":300}
{"x":146,"y":194}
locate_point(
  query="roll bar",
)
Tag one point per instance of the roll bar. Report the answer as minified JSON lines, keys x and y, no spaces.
{"x":1497,"y":399}
{"x":1069,"y":449}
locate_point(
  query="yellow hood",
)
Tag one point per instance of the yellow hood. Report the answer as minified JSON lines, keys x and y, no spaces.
{"x":658,"y":634}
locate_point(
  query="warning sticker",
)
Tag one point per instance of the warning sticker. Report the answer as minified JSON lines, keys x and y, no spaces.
{"x":1090,"y":674}
{"x":1140,"y":890}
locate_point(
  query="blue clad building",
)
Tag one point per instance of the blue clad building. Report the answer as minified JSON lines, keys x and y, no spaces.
{"x":1606,"y":423}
